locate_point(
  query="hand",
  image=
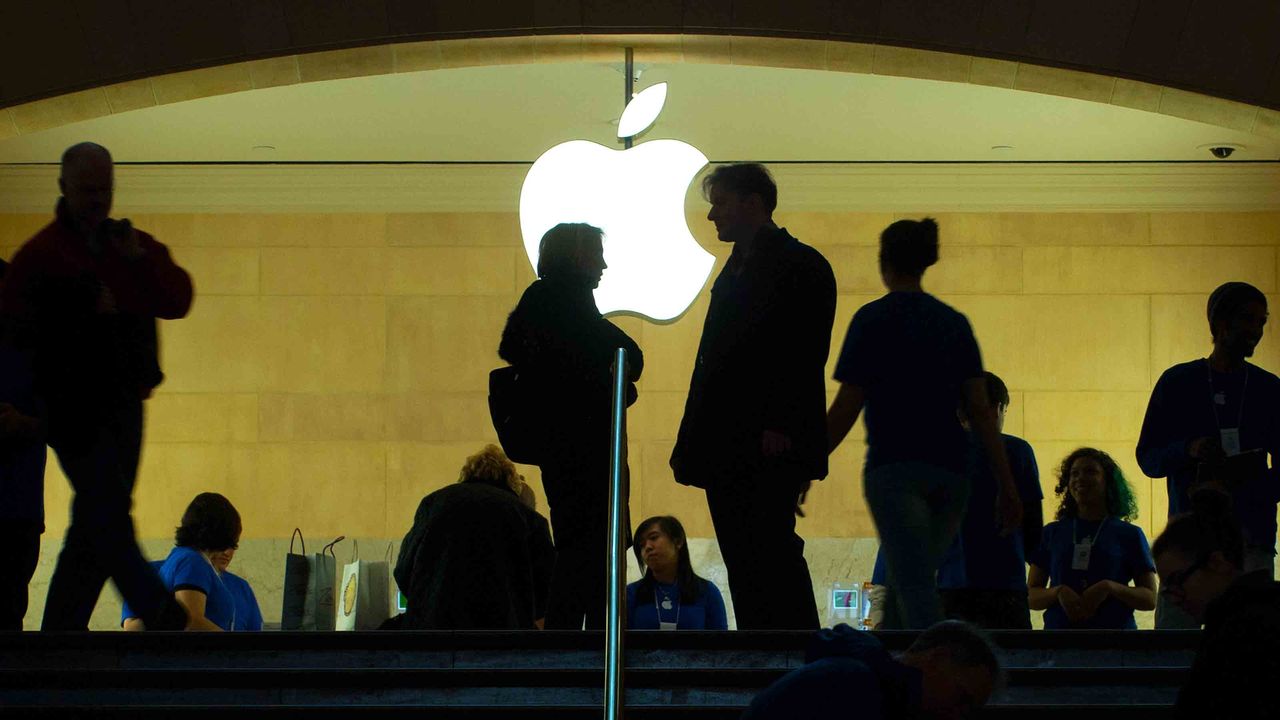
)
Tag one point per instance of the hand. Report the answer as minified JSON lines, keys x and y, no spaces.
{"x":804,"y":494}
{"x":1093,"y":596}
{"x":106,"y":304}
{"x":125,"y":241}
{"x":1008,"y":513}
{"x":1072,"y":604}
{"x":774,"y":443}
{"x":1206,"y":449}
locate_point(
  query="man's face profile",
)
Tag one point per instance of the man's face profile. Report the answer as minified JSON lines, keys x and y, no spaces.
{"x":87,"y":184}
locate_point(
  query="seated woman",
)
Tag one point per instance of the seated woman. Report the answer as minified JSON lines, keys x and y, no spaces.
{"x":248,"y":614}
{"x":477,"y":557}
{"x":1081,"y":572}
{"x":1200,"y":557}
{"x":207,"y":538}
{"x":670,"y":596}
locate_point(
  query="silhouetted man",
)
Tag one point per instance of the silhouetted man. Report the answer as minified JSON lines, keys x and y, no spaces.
{"x":754,"y":433}
{"x":1215,"y":421}
{"x":86,"y":291}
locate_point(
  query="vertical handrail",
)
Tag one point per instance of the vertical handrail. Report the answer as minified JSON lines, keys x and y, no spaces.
{"x":613,"y":689}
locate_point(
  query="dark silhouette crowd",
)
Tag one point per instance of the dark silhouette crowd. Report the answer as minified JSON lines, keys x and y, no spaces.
{"x":955,"y":501}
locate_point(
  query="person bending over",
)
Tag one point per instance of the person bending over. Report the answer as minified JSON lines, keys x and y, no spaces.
{"x":1080,"y":574}
{"x":950,"y":671}
{"x":1201,"y":559}
{"x":476,"y":558}
{"x":670,"y":596}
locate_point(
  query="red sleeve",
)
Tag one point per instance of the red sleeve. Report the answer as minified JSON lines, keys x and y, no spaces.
{"x":166,"y":288}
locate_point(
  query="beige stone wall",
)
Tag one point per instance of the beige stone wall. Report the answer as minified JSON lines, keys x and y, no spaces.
{"x":333,"y":368}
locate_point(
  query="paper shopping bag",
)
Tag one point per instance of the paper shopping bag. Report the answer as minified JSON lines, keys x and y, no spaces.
{"x":363,"y":603}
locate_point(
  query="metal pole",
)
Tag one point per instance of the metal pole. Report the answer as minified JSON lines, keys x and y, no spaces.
{"x":613,"y":689}
{"x":628,"y":86}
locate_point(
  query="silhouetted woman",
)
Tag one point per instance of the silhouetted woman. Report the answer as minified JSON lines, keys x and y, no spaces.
{"x":1201,"y":558}
{"x":557,"y":337}
{"x":670,"y":596}
{"x":1081,"y":572}
{"x":912,"y":360}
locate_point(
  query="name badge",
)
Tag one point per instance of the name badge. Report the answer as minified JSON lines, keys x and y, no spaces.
{"x":1080,"y":557}
{"x":664,"y":625}
{"x":1231,"y":441}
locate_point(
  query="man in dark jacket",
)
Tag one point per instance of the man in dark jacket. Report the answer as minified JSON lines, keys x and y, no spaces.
{"x":85,"y":293}
{"x":949,"y":671}
{"x":753,"y":433}
{"x":477,"y":557}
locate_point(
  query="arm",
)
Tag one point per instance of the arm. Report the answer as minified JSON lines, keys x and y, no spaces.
{"x":1039,"y":595}
{"x":1139,"y":596}
{"x":167,"y":287}
{"x":843,"y":413}
{"x":983,"y":420}
{"x":194,"y":602}
{"x":717,"y":618}
{"x":1161,"y":451}
{"x":1032,"y":507}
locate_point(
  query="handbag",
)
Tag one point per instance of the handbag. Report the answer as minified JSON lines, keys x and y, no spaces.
{"x":517,"y":419}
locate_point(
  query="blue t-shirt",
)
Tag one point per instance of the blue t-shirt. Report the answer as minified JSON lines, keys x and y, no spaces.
{"x":910,"y":353}
{"x":707,"y":613}
{"x":1190,"y":402}
{"x":248,"y":616}
{"x":21,"y":463}
{"x":188,"y":569}
{"x":1120,"y":553}
{"x":980,"y":559}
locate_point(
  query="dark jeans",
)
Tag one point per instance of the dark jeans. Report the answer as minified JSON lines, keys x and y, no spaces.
{"x":21,"y":542}
{"x":99,"y":456}
{"x":579,"y":508}
{"x":988,"y":609}
{"x":755,"y":525}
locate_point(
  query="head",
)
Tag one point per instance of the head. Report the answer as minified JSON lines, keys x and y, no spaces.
{"x":660,"y":542}
{"x":491,"y":467}
{"x":958,"y":667}
{"x":907,"y":247}
{"x":997,"y":395}
{"x":1091,"y":476}
{"x":572,"y":250}
{"x":1237,"y":313}
{"x":743,"y":197}
{"x":210,"y":525}
{"x":1200,"y":553}
{"x":87,"y":182}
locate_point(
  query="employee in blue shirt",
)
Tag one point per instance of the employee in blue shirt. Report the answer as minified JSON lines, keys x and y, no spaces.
{"x":209,"y":534}
{"x":248,"y":614}
{"x":1080,"y":573}
{"x":1216,"y":420}
{"x":670,"y":596}
{"x":983,"y":577}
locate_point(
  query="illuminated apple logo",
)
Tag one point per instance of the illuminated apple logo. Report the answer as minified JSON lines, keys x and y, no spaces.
{"x":636,"y":196}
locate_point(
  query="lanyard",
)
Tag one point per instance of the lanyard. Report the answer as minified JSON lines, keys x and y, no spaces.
{"x":1075,"y":540}
{"x":1213,"y":395}
{"x":658,"y":610}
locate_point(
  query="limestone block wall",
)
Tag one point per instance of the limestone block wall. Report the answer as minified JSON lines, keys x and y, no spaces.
{"x":333,"y":368}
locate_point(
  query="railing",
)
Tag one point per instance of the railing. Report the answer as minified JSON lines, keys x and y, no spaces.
{"x":618,"y":492}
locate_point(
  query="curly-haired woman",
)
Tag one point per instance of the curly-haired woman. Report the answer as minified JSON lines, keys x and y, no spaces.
{"x":1081,"y":573}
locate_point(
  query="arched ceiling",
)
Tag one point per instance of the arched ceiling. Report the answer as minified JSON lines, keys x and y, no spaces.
{"x":1220,"y":48}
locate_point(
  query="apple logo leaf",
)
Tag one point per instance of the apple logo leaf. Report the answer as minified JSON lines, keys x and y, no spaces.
{"x":643,"y":109}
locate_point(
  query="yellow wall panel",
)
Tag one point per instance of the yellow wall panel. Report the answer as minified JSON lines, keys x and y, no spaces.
{"x":439,"y":417}
{"x":1180,"y":332}
{"x":444,"y":344}
{"x":976,"y":270}
{"x":669,"y":350}
{"x":452,"y":271}
{"x":820,"y":229}
{"x":218,"y":347}
{"x":171,"y":474}
{"x":331,"y":488}
{"x":857,"y":268}
{"x":1041,"y":229}
{"x":324,"y":271}
{"x":415,"y":470}
{"x":202,"y":417}
{"x":454,"y":229}
{"x":656,"y":414}
{"x":221,"y":271}
{"x":318,"y":344}
{"x":1146,"y":270}
{"x":1074,"y":415}
{"x":660,"y":494}
{"x":346,"y":416}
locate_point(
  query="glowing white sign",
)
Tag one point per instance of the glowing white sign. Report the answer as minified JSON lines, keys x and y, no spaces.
{"x":636,"y":196}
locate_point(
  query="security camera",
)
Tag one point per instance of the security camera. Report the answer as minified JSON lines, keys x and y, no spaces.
{"x":1222,"y":152}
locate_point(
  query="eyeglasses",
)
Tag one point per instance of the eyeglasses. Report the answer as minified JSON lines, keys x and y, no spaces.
{"x":1176,"y":580}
